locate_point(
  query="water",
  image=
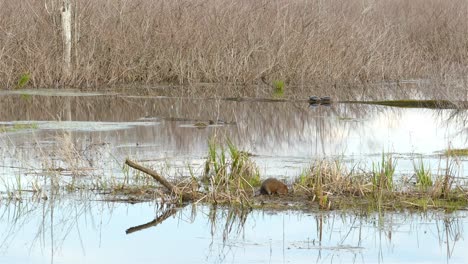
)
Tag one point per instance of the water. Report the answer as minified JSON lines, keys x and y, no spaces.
{"x":284,"y":137}
{"x":77,"y":232}
{"x":88,"y":136}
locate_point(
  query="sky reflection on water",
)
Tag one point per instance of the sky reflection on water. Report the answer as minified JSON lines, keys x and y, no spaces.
{"x":284,"y":138}
{"x":94,"y":232}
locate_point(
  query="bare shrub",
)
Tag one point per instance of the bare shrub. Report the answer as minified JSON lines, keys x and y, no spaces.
{"x":306,"y":43}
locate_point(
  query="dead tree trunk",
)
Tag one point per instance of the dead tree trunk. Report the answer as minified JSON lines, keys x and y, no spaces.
{"x":186,"y":196}
{"x":67,"y":36}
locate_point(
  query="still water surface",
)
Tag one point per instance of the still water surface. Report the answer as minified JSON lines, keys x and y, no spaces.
{"x":102,"y":130}
{"x":73,"y":232}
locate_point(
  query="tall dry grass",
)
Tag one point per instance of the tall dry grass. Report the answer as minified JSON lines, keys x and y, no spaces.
{"x":303,"y":42}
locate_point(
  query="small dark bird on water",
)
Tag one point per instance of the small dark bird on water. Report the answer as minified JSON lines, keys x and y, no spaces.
{"x":314,"y":100}
{"x":325,"y":100}
{"x":320,"y":100}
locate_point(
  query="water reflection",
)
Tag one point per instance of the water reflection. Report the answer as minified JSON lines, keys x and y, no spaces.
{"x":75,"y":231}
{"x":95,"y":135}
{"x":284,"y":136}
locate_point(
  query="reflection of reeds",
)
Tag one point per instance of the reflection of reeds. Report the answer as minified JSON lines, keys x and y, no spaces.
{"x":269,"y":125}
{"x":60,"y":223}
{"x":232,"y":220}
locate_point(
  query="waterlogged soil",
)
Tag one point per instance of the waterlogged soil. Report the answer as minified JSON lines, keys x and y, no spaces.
{"x":81,"y":140}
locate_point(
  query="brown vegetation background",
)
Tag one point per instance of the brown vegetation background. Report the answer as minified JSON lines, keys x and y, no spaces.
{"x":333,"y":43}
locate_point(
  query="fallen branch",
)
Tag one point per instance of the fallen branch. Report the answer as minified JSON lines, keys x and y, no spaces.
{"x":186,"y":196}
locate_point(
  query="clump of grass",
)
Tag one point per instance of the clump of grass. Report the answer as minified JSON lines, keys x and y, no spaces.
{"x":330,"y":177}
{"x":279,"y":88}
{"x":382,"y":174}
{"x":23,"y":80}
{"x":447,"y":179}
{"x":423,"y":176}
{"x":230,"y":172}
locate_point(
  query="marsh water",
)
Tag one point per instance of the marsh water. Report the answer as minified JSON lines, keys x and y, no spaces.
{"x":87,"y":136}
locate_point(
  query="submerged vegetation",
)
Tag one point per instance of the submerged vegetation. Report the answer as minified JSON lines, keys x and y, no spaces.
{"x":17,"y":127}
{"x":456,"y":152}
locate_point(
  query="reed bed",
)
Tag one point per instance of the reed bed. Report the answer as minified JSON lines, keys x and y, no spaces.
{"x":231,"y":177}
{"x":325,"y":46}
{"x":333,"y":185}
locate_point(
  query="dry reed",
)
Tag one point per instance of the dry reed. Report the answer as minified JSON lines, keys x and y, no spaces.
{"x":306,"y":43}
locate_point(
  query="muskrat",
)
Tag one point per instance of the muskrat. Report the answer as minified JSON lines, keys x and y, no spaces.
{"x":273,"y":186}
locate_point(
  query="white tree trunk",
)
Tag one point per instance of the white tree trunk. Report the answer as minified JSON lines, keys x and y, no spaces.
{"x":67,"y":36}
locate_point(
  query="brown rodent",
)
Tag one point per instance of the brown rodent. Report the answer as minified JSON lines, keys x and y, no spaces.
{"x":273,"y":186}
